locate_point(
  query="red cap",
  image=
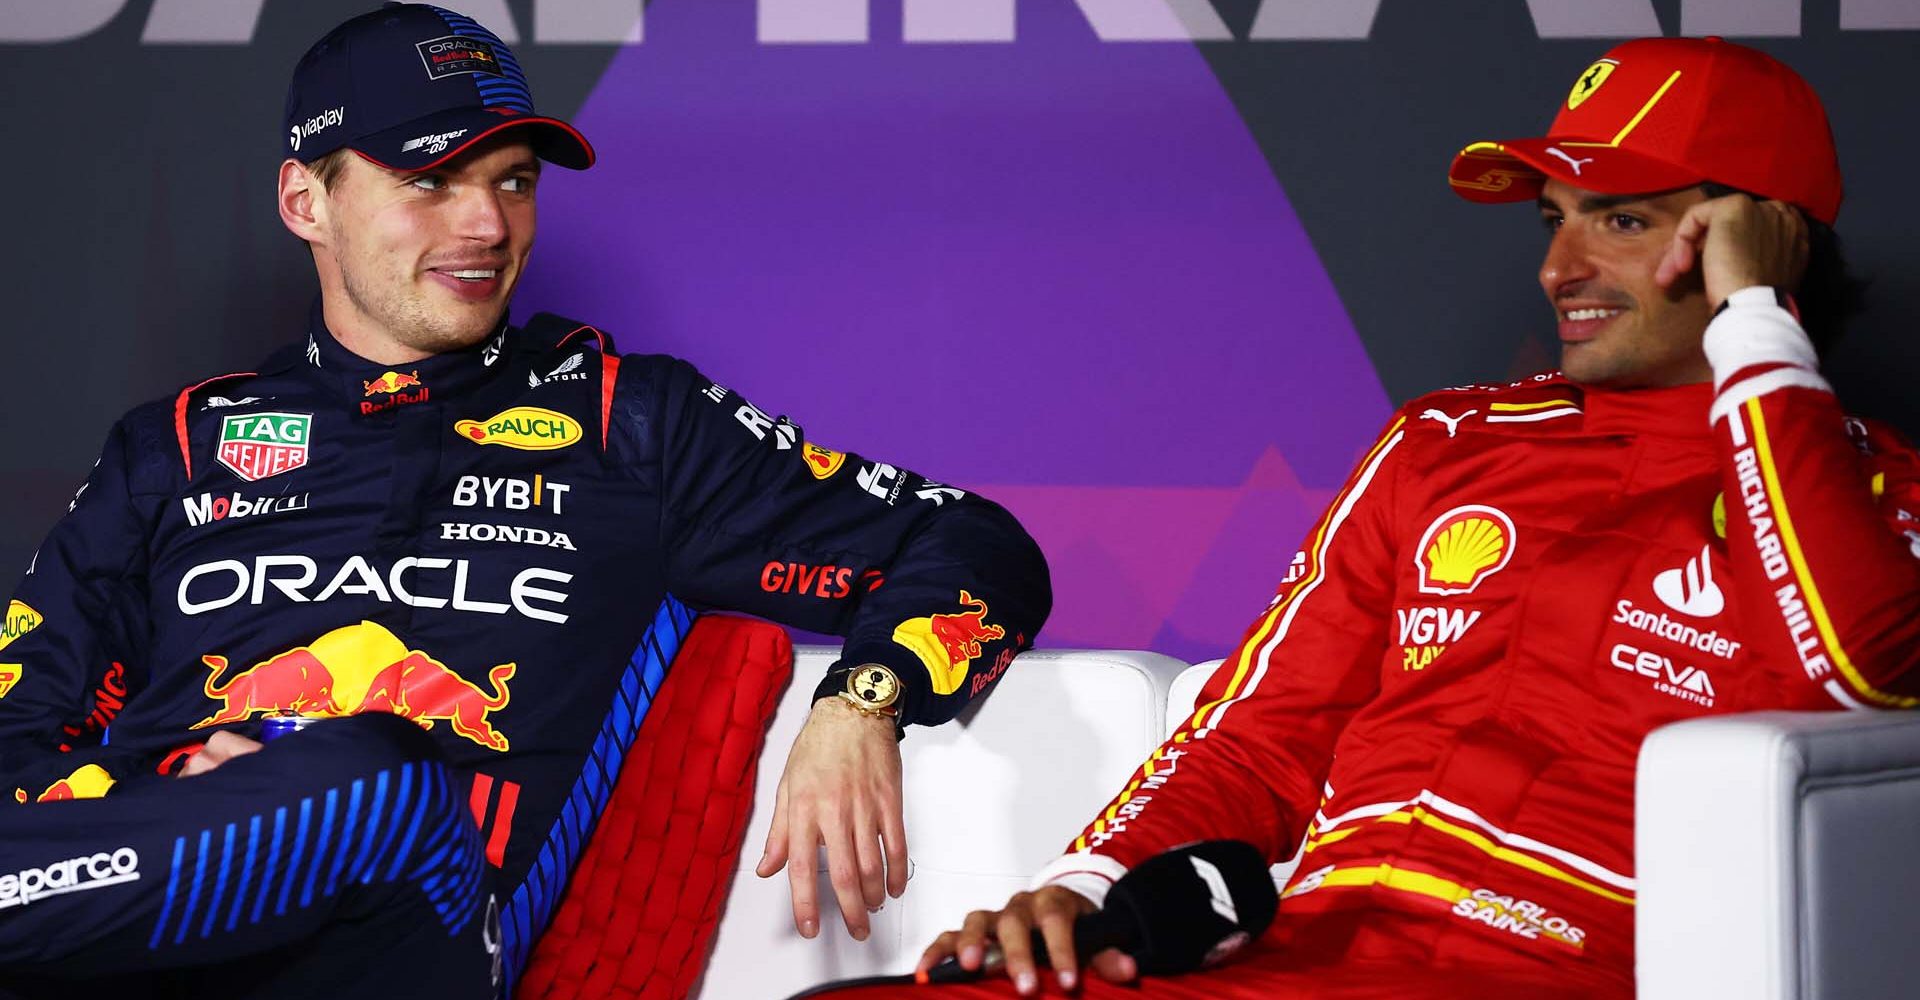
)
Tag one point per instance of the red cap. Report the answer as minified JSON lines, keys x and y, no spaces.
{"x":1663,"y":113}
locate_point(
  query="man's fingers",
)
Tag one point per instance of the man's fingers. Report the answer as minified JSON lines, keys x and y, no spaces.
{"x":221,"y":747}
{"x":893,"y":838}
{"x":1697,"y":220}
{"x":1802,"y":239}
{"x":942,"y":947}
{"x":802,"y":843}
{"x":1014,"y":932}
{"x":1673,"y":263}
{"x":1056,"y":926}
{"x":843,"y":873}
{"x":774,"y":855}
{"x":970,"y":944}
{"x":1114,"y":966}
{"x":871,"y":864}
{"x":228,"y":745}
{"x":1684,"y":251}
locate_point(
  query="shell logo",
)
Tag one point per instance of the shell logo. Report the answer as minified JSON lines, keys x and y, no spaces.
{"x":1463,"y":547}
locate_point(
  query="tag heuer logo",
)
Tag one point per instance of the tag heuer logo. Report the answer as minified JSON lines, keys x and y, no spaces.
{"x":257,"y":445}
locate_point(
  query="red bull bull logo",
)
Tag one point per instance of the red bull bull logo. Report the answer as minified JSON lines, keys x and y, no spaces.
{"x":394,"y":386}
{"x":359,"y":668}
{"x":948,"y":644}
{"x":90,"y":781}
{"x":391,"y":382}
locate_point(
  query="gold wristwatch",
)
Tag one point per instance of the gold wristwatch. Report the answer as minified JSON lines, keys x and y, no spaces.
{"x":873,"y":690}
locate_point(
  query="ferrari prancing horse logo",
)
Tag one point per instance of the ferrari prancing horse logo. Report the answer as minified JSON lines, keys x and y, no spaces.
{"x":1590,"y":81}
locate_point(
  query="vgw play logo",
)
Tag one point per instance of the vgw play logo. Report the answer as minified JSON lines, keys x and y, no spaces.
{"x":779,"y":22}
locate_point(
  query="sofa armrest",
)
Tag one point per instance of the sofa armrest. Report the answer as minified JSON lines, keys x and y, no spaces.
{"x":1778,"y":856}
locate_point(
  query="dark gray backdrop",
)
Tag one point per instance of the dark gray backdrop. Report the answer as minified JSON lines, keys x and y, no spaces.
{"x":143,"y":251}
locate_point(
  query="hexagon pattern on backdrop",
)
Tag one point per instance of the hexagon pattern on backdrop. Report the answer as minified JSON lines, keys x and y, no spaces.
{"x":1057,"y":271}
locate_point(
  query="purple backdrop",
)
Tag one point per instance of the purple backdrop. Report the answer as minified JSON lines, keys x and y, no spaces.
{"x":1056,"y":271}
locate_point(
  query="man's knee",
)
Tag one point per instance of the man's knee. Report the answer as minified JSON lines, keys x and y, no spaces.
{"x":396,"y":799}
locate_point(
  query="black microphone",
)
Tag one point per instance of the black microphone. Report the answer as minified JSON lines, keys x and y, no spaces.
{"x":1181,"y":910}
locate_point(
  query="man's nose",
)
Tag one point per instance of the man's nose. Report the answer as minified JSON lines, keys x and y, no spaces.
{"x":482,"y":217}
{"x":1567,"y":260}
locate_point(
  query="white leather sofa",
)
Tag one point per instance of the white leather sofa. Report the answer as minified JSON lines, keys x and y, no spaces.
{"x":1775,"y":851}
{"x":990,"y":798}
{"x":1778,"y":857}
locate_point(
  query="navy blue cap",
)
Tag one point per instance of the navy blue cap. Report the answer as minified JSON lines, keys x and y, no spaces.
{"x":412,"y":85}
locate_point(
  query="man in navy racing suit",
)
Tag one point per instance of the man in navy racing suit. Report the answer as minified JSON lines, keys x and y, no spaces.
{"x":500,"y":534}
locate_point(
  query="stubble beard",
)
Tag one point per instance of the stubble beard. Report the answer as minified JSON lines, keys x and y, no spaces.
{"x":406,"y":318}
{"x":1582,"y":364}
{"x":1624,"y":365}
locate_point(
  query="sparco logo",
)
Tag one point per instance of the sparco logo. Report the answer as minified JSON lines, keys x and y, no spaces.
{"x":210,"y":507}
{"x":317,"y":124}
{"x":215,"y":585}
{"x":617,"y":22}
{"x":93,"y":871}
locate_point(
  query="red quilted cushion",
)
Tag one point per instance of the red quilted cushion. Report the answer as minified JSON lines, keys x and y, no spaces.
{"x":638,"y":918}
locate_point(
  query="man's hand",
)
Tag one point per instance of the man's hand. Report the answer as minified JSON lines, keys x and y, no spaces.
{"x":221,"y":747}
{"x":1052,"y":910}
{"x":1737,"y":243}
{"x":841,"y":788}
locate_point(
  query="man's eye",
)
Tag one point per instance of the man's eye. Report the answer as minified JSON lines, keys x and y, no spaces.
{"x":1626,"y":223}
{"x":517,"y":185}
{"x":1551,"y":223}
{"x":427,"y":182}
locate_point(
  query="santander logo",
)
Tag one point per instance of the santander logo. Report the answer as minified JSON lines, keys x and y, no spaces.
{"x":1690,"y":589}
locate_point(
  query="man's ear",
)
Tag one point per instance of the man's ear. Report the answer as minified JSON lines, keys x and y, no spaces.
{"x":303,"y":202}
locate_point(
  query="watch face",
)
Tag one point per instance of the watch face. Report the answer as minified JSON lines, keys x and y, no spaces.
{"x":874,"y":685}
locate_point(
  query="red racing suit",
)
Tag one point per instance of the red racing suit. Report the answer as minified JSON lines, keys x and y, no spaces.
{"x":1446,"y":698}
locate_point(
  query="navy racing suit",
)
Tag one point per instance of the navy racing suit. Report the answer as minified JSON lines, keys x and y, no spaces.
{"x":504,"y":544}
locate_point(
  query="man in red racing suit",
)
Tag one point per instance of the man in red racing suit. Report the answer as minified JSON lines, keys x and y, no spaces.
{"x":1443,"y":706}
